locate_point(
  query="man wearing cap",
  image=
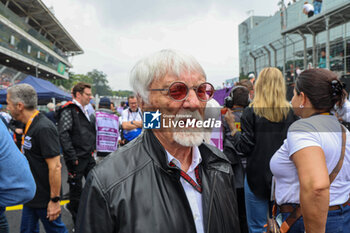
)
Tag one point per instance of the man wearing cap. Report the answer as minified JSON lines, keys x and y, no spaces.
{"x":107,"y":129}
{"x":251,"y":78}
{"x":166,"y":180}
{"x":40,"y":145}
{"x":77,"y":136}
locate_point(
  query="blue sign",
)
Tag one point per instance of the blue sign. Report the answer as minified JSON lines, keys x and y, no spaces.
{"x":151,"y":120}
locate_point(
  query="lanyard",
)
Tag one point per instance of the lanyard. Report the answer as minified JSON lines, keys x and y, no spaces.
{"x":321,"y":113}
{"x":133,"y":116}
{"x":184,"y":175}
{"x":30,"y":121}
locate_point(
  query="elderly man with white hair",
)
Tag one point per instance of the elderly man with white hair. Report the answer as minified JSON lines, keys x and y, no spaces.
{"x":166,"y":180}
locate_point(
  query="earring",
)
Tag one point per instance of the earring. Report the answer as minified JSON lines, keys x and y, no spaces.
{"x":301,"y":106}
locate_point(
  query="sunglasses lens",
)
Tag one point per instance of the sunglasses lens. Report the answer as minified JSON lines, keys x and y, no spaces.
{"x":178,"y":91}
{"x":205,"y":91}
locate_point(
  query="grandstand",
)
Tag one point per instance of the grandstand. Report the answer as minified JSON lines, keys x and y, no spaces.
{"x":32,"y":41}
{"x":291,"y":38}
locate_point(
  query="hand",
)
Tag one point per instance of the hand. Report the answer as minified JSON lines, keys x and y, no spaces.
{"x":138,"y":124}
{"x":122,"y":142}
{"x":53,"y":210}
{"x":234,"y":131}
{"x":19,"y":131}
{"x":229,"y":117}
{"x":72,"y":166}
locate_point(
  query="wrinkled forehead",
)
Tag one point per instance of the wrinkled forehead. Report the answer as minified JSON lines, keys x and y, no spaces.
{"x":189,"y":78}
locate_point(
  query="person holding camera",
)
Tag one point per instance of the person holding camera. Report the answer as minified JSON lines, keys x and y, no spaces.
{"x":235,"y":104}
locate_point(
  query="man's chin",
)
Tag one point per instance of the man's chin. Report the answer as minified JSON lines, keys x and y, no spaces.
{"x":188,"y":139}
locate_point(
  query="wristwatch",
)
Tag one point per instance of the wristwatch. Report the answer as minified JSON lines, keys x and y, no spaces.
{"x":132,"y":122}
{"x":55,"y":199}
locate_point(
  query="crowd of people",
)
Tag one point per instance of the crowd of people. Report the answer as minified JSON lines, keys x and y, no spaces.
{"x":282,"y":160}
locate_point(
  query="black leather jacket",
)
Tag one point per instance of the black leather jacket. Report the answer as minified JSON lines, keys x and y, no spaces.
{"x":77,"y":134}
{"x":259,"y":140}
{"x":135,"y":190}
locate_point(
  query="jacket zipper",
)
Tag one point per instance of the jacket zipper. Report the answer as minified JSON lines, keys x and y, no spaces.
{"x":211,"y":201}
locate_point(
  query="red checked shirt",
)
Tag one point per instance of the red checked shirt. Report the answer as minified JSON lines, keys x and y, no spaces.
{"x":194,"y":197}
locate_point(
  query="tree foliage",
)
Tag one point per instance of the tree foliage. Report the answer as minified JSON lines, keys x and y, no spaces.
{"x":98,"y":81}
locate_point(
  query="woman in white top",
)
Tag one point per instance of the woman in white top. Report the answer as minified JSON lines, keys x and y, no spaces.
{"x":311,"y":151}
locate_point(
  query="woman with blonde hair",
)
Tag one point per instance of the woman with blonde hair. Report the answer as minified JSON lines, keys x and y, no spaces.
{"x":264,"y":126}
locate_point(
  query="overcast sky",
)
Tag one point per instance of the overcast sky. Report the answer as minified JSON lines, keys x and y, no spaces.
{"x":115,"y":34}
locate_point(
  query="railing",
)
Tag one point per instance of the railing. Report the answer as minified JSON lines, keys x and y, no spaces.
{"x":20,"y":46}
{"x":295,"y":15}
{"x":20,"y":22}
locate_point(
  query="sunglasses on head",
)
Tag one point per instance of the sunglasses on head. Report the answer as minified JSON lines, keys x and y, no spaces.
{"x":178,"y":91}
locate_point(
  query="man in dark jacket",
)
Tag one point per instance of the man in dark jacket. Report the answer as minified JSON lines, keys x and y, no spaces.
{"x":166,"y":180}
{"x":77,"y":136}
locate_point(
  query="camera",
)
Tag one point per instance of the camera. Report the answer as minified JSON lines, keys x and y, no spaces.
{"x":228,"y":102}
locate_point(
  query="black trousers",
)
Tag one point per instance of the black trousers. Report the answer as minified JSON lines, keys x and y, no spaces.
{"x":76,"y":184}
{"x":310,"y":13}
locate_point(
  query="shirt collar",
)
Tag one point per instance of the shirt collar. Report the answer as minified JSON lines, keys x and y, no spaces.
{"x":196,"y":159}
{"x":79,"y":105}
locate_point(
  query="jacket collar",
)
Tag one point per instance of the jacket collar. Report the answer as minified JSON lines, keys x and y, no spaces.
{"x":105,"y":110}
{"x":212,"y":158}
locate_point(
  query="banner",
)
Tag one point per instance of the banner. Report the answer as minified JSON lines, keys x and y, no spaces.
{"x":61,"y":68}
{"x":107,"y":132}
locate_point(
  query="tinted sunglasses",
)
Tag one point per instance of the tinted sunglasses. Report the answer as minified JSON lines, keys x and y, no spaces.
{"x":178,"y":91}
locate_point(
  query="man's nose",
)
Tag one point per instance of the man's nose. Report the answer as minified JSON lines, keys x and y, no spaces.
{"x":192,"y":102}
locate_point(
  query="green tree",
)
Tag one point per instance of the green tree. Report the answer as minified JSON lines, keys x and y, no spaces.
{"x":99,"y":81}
{"x":122,"y":93}
{"x":242,"y":76}
{"x":71,"y":81}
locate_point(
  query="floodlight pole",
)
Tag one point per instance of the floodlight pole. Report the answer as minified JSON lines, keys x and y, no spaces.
{"x":36,"y":71}
{"x":275,"y":53}
{"x":305,"y":48}
{"x":254,"y":58}
{"x":327,"y":43}
{"x":268,"y":54}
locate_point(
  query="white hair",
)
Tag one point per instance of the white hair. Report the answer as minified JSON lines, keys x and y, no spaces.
{"x":159,"y":64}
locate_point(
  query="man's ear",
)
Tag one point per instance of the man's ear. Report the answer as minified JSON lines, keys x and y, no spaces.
{"x":20,"y":106}
{"x":78,"y":95}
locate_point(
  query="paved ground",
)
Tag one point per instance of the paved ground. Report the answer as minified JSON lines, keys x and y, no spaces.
{"x":14,"y":216}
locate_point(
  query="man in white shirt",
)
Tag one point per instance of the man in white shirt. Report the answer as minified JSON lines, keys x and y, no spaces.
{"x":131,"y":121}
{"x":308,"y":9}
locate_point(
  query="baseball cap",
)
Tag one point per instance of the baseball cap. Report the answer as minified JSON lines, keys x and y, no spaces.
{"x":251,"y":75}
{"x":105,"y":101}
